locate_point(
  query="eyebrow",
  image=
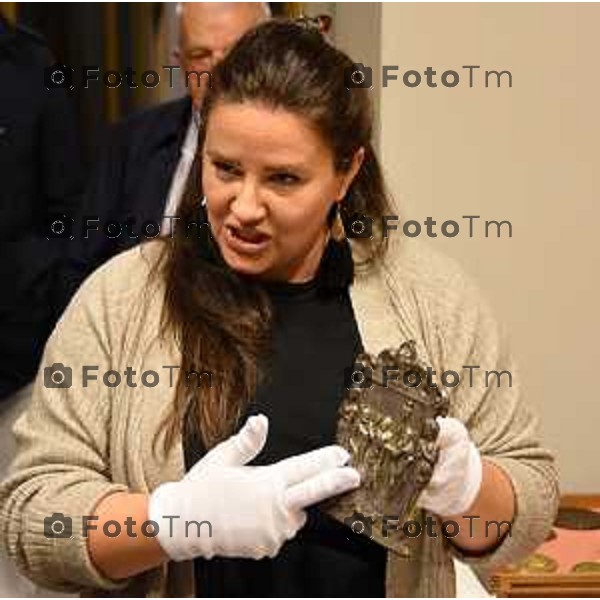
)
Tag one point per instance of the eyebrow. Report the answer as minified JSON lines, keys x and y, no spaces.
{"x":217,"y":155}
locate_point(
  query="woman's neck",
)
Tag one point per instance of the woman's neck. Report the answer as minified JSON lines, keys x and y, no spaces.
{"x":308,"y":269}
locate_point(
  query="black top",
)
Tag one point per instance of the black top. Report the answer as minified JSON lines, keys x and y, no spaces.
{"x":314,"y":338}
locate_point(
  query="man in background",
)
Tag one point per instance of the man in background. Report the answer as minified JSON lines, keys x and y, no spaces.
{"x":143,"y":170}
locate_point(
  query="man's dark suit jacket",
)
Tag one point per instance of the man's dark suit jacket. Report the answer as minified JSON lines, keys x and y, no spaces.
{"x":131,"y":184}
{"x":40,"y":172}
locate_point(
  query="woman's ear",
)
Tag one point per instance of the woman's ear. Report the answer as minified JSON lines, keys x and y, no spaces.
{"x":350,"y":174}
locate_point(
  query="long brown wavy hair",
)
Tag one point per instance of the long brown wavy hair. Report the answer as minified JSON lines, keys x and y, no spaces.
{"x":221,"y":320}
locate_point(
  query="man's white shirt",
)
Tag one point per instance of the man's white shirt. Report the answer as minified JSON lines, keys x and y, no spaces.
{"x":182,"y":172}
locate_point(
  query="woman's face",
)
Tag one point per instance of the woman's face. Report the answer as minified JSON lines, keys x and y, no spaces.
{"x":269,"y":181}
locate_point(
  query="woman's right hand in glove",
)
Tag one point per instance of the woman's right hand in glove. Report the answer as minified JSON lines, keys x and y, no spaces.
{"x":252,"y":511}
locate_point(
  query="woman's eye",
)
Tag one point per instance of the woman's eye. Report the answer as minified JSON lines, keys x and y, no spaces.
{"x":286,"y":179}
{"x":226,"y":169}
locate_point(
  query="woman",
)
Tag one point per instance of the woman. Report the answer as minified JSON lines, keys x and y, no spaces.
{"x":274,"y":304}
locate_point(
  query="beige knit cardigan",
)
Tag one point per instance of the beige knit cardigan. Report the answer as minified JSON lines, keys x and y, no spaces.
{"x":79,"y":444}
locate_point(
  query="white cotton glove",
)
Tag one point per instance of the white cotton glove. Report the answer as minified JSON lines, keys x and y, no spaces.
{"x":457,"y":475}
{"x":252,"y":510}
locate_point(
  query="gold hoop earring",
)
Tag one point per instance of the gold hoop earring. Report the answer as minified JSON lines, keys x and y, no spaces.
{"x":338,"y":232}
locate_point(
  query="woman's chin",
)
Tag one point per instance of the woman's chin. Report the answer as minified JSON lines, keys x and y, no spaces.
{"x":245,"y":265}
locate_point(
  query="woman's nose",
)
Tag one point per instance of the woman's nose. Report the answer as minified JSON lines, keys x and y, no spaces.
{"x":247,"y":206}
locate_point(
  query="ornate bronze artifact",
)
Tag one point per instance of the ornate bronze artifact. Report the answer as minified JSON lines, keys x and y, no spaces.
{"x":388,"y":425}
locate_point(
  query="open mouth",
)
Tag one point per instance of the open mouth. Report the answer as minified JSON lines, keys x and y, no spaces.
{"x":245,"y":239}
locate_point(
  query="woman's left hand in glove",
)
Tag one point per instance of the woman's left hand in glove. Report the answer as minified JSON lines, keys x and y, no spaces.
{"x":457,"y":475}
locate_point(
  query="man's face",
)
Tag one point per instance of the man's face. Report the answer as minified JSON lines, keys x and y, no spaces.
{"x":208,"y":32}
